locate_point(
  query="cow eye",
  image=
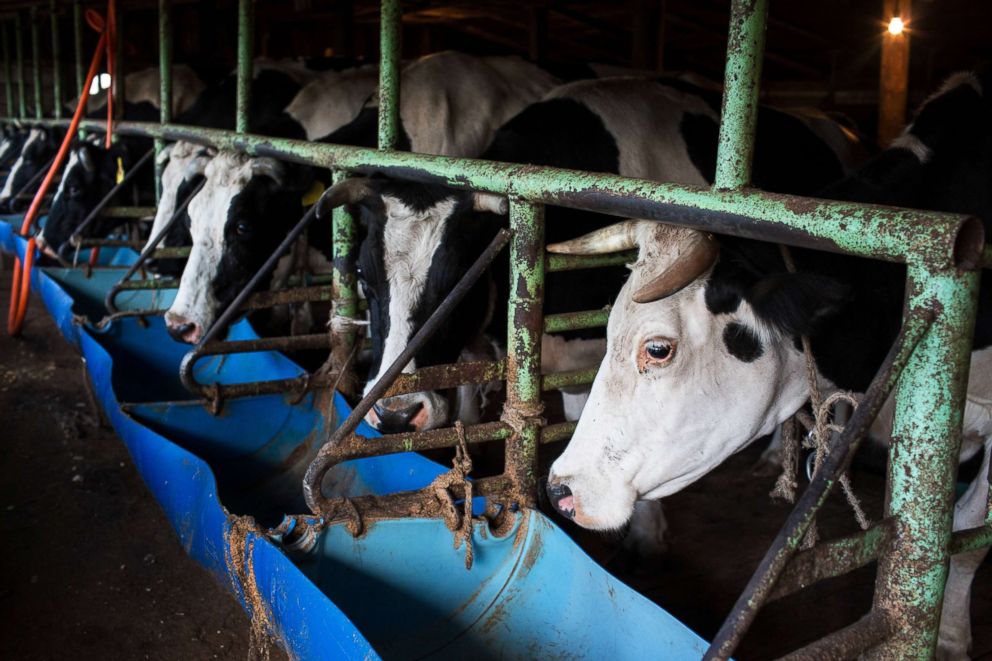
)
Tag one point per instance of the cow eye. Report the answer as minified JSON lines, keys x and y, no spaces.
{"x":655,"y":352}
{"x":242,"y":228}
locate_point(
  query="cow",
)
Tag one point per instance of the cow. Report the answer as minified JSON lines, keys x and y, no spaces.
{"x":142,"y":104}
{"x":275,"y":83}
{"x":10,"y":143}
{"x":449,"y":100}
{"x":321,"y":106}
{"x":702,"y":352}
{"x":421,"y":238}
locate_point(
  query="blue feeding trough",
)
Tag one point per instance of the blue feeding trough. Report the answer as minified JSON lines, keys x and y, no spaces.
{"x":401,"y":590}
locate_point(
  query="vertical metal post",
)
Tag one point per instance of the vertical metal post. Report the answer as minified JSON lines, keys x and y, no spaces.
{"x":119,"y":80}
{"x":56,"y":62}
{"x":35,"y":61}
{"x":246,"y":38}
{"x":390,"y":53}
{"x":22,"y":105}
{"x":344,"y":294}
{"x":926,"y":439}
{"x":77,"y":35}
{"x":8,"y":82}
{"x":741,"y":84}
{"x":894,"y":73}
{"x":165,"y":84}
{"x":525,"y":326}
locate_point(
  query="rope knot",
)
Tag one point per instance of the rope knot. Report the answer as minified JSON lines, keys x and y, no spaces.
{"x":458,"y":523}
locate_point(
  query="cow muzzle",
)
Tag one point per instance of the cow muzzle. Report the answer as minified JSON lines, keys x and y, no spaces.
{"x":404,"y":413}
{"x":182,"y":329}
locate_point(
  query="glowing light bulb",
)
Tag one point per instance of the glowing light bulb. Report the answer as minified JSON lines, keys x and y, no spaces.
{"x":896,"y":26}
{"x":104,"y":81}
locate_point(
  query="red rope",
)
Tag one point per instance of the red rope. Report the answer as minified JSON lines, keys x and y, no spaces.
{"x":21,"y":286}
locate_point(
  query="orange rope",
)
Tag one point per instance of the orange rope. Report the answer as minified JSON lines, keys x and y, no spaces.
{"x":21,"y":286}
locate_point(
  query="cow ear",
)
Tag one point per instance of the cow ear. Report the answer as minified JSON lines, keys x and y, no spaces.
{"x":86,"y":158}
{"x":269,"y":167}
{"x":797,"y":303}
{"x":163,"y":156}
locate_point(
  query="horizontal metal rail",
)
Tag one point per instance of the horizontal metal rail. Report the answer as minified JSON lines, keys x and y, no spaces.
{"x":939,"y":240}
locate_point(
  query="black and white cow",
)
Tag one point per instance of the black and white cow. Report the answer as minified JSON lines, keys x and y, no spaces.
{"x":449,"y":101}
{"x":11,"y":140}
{"x":35,"y":149}
{"x":702,"y":356}
{"x":275,"y":83}
{"x":422,"y":238}
{"x":324,"y":104}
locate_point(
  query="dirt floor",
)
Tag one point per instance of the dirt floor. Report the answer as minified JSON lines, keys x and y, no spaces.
{"x":91,"y":569}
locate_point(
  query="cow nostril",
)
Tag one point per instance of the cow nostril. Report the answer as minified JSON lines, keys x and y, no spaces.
{"x":396,"y":420}
{"x":561,"y":497}
{"x":179,"y":331}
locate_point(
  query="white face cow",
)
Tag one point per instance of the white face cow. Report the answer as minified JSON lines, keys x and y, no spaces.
{"x":650,"y":427}
{"x":246,"y":207}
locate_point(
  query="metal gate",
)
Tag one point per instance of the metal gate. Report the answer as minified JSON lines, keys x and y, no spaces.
{"x":927,"y":367}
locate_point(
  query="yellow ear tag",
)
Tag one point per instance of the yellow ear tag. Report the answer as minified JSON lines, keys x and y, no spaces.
{"x":311,"y":196}
{"x":120,"y":170}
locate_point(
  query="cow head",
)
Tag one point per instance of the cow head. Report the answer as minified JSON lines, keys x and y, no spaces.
{"x":695,"y":369}
{"x":89,"y":174}
{"x":185,"y":164}
{"x":38,"y":147}
{"x":420,"y":240}
{"x":238,"y":219}
{"x":11,"y":141}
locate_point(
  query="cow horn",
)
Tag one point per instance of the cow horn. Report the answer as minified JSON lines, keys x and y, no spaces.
{"x":347,"y":191}
{"x":491,"y":202}
{"x":269,"y":167}
{"x":689,"y":265}
{"x":617,"y":237}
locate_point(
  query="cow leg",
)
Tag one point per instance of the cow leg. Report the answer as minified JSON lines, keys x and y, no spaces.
{"x":646,"y":530}
{"x":954,"y":640}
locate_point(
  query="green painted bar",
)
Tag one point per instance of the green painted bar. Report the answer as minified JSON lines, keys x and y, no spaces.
{"x":22,"y":104}
{"x":120,"y":68}
{"x":36,"y":62}
{"x":566,"y":321}
{"x":923,"y":460}
{"x":8,"y":82}
{"x":344,"y":285}
{"x":553,"y":263}
{"x":971,"y":539}
{"x":246,"y":39}
{"x":571,"y":378}
{"x":390,"y":53}
{"x":77,"y":35}
{"x":523,"y":351}
{"x":741,"y":84}
{"x":56,"y":60}
{"x":165,"y":85}
{"x":867,"y":230}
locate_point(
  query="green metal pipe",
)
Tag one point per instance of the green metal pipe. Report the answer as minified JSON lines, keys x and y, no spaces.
{"x":923,"y":462}
{"x":524,"y":330}
{"x":553,"y":263}
{"x":390,"y":53}
{"x":344,"y":287}
{"x":567,"y":321}
{"x":8,"y":82}
{"x":971,"y":539}
{"x":569,"y":379}
{"x":246,"y":38}
{"x":36,"y":62}
{"x":119,"y":80}
{"x":77,"y":42}
{"x":940,"y":240}
{"x":56,"y":61}
{"x":741,"y":84}
{"x":22,"y":105}
{"x":165,"y":85}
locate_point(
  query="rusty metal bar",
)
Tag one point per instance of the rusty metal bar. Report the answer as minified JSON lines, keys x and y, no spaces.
{"x":127,"y":212}
{"x":8,"y":81}
{"x":36,"y":62}
{"x":286,"y":343}
{"x":567,"y":321}
{"x":923,"y":463}
{"x":849,"y":642}
{"x":525,"y":326}
{"x":56,"y":61}
{"x":390,"y":54}
{"x":918,"y":321}
{"x":165,"y":85}
{"x":344,"y":287}
{"x":833,"y":558}
{"x":246,"y":39}
{"x":439,"y":377}
{"x":554,"y":263}
{"x":22,"y":107}
{"x":322,"y":462}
